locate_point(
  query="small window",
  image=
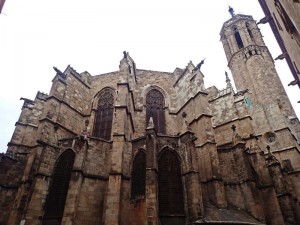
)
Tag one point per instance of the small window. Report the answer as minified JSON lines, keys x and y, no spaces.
{"x":277,"y":22}
{"x":104,"y":116}
{"x":287,"y":165}
{"x":249,"y":30}
{"x":288,"y":24}
{"x":138,"y":175}
{"x":238,"y":38}
{"x":297,"y":70}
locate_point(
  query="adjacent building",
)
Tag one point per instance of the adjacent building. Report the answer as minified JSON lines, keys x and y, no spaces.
{"x":1,"y":5}
{"x":284,"y":19}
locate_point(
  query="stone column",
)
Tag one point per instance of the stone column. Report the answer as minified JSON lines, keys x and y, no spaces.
{"x":268,"y":200}
{"x":40,"y":184}
{"x":282,"y":193}
{"x":113,"y":195}
{"x":74,"y":191}
{"x":247,"y":182}
{"x":151,"y":175}
{"x":208,"y":163}
{"x":191,"y":177}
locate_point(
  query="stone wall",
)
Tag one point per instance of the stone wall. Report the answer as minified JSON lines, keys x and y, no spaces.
{"x":212,"y":132}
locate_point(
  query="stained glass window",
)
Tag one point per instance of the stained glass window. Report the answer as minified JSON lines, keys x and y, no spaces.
{"x":155,"y":103}
{"x":104,"y":115}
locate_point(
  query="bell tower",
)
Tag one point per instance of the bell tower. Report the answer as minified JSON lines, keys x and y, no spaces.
{"x":254,"y":73}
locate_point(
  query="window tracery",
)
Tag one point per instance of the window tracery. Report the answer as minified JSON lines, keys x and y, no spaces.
{"x":104,"y":115}
{"x":155,"y":103}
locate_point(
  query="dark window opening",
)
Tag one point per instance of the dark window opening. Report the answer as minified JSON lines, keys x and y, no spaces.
{"x":238,"y":38}
{"x":287,"y":165}
{"x":56,"y":199}
{"x":155,"y":103}
{"x":104,"y":116}
{"x":296,"y":67}
{"x":170,"y":190}
{"x":250,"y":53}
{"x":277,"y":22}
{"x":288,"y":24}
{"x":138,"y":176}
{"x":249,"y":30}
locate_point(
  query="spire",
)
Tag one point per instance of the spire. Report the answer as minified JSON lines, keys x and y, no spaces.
{"x":231,"y":11}
{"x":228,"y":81}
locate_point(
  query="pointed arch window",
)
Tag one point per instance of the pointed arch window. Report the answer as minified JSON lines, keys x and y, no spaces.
{"x":56,"y":199}
{"x":138,"y":176}
{"x":170,"y":190}
{"x":155,"y":103}
{"x":104,"y":115}
{"x":238,"y":38}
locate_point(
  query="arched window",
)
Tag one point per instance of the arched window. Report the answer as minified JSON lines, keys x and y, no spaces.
{"x":104,"y":115}
{"x":56,"y":199}
{"x":138,"y":176}
{"x":155,"y":103}
{"x":249,"y":30}
{"x":238,"y":38}
{"x":170,"y":190}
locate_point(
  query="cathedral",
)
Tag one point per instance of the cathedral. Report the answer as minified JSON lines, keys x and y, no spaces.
{"x":142,"y":147}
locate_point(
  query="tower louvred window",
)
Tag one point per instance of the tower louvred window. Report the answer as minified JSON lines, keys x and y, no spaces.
{"x":238,"y":38}
{"x":155,"y":103}
{"x":104,"y":115}
{"x":249,"y":30}
{"x":58,"y":190}
{"x":138,"y":177}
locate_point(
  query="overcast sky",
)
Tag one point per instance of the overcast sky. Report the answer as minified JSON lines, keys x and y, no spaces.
{"x":91,"y":35}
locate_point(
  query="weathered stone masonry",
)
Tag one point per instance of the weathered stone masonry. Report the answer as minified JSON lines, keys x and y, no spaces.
{"x":204,"y":156}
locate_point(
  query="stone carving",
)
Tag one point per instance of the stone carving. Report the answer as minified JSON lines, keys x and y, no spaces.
{"x":150,"y":123}
{"x":236,"y":138}
{"x":185,"y":124}
{"x":199,"y":65}
{"x":61,"y":74}
{"x":270,"y":159}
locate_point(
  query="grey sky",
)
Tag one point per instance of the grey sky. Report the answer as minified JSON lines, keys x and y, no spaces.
{"x":91,"y":35}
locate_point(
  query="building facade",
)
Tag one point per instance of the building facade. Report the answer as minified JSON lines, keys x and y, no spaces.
{"x":1,"y":5}
{"x":284,"y":19}
{"x":144,"y":147}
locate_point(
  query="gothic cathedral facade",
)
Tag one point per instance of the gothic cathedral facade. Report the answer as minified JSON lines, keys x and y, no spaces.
{"x":144,"y":147}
